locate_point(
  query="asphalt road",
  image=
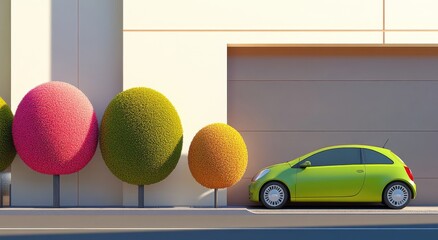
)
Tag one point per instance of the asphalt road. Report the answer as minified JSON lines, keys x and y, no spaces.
{"x":226,"y":223}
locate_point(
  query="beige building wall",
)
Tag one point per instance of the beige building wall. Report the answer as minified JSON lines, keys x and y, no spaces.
{"x":5,"y":50}
{"x":180,"y":48}
{"x":182,"y":51}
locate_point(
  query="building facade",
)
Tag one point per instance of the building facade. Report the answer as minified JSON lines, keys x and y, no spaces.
{"x":292,"y":76}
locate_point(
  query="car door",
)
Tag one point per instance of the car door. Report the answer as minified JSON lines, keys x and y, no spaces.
{"x":333,"y":173}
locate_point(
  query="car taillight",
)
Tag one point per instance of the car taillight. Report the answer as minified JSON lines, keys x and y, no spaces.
{"x":409,"y":172}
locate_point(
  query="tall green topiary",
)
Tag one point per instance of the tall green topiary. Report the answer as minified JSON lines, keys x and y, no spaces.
{"x":7,"y":149}
{"x":141,"y":137}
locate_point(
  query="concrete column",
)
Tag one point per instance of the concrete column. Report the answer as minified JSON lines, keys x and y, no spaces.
{"x":74,"y":41}
{"x":5,"y":50}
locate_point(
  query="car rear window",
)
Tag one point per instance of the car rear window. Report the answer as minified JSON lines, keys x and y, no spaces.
{"x":373,"y":157}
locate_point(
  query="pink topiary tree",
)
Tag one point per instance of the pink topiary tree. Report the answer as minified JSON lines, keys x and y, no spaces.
{"x":55,"y":131}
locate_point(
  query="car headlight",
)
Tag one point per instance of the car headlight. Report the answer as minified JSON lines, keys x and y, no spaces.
{"x":261,"y":174}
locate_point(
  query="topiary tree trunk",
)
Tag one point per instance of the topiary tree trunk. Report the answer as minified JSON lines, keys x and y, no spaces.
{"x":141,"y":196}
{"x":215,"y":197}
{"x":56,"y":191}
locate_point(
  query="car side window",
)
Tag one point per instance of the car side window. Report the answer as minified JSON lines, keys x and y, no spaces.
{"x":339,"y":156}
{"x":373,"y":157}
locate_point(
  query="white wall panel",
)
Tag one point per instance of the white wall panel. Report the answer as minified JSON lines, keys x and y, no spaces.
{"x":43,"y":49}
{"x":29,"y":188}
{"x":100,"y":78}
{"x":192,"y":74}
{"x":74,"y":41}
{"x":253,"y":14}
{"x":30,"y":47}
{"x":410,"y":14}
{"x":64,"y":41}
{"x":97,"y":185}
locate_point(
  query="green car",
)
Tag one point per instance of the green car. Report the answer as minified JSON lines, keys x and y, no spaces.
{"x":346,"y":173}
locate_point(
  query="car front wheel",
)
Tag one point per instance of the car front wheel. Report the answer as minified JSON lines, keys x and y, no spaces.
{"x":397,"y":195}
{"x":274,"y":195}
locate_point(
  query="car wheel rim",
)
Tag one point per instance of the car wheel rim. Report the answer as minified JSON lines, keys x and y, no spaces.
{"x":274,"y":195}
{"x":398,"y":195}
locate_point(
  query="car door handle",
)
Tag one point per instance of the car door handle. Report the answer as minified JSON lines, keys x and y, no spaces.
{"x":359,"y":171}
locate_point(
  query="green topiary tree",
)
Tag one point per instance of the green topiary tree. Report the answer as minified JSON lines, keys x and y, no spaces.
{"x":141,"y":137}
{"x":7,"y":148}
{"x":218,"y":157}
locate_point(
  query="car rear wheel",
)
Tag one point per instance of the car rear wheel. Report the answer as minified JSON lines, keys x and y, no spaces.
{"x":274,"y":195}
{"x":397,"y":195}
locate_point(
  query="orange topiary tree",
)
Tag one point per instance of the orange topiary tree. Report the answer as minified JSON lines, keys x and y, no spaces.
{"x":217,"y":157}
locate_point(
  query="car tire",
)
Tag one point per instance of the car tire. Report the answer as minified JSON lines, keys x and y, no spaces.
{"x":274,"y":195}
{"x":397,"y":195}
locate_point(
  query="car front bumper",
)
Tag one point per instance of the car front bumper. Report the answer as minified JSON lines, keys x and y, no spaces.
{"x":254,"y":190}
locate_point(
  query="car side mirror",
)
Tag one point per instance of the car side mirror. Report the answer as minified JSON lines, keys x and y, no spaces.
{"x":305,"y":164}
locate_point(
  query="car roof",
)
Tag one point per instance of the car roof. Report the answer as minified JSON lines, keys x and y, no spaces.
{"x":384,"y":151}
{"x":355,"y":146}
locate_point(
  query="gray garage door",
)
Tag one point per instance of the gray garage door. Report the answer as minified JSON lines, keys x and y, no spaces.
{"x":290,"y":101}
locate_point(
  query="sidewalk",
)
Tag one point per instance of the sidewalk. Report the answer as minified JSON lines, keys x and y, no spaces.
{"x":182,"y":217}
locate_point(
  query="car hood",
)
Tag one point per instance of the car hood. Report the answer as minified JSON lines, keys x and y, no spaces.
{"x":279,"y":166}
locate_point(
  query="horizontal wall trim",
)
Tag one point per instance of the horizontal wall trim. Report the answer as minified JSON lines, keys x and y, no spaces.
{"x":411,"y":30}
{"x":353,"y":80}
{"x":252,"y":30}
{"x":335,"y":45}
{"x":280,"y":30}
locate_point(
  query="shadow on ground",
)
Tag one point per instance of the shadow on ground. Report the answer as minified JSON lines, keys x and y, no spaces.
{"x":329,"y":206}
